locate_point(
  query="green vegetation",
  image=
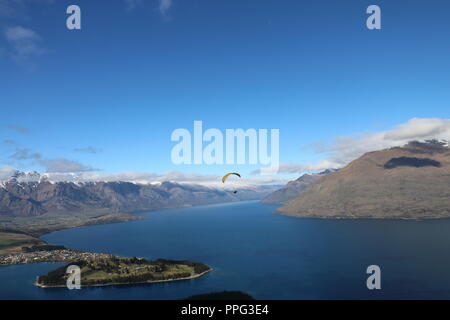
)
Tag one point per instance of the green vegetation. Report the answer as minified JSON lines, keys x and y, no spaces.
{"x":19,"y":244}
{"x":46,"y":223}
{"x":13,"y":242}
{"x":19,"y":233}
{"x":43,"y":247}
{"x":118,"y":270}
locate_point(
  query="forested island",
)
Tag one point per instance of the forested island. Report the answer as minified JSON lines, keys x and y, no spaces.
{"x":113,"y":270}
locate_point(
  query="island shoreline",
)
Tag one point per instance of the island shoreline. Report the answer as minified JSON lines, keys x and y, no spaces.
{"x":128,"y":284}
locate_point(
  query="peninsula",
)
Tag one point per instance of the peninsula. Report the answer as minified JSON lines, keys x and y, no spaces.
{"x":103,"y":269}
{"x":110,"y":270}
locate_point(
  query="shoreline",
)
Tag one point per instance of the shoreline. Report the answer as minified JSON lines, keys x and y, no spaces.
{"x":111,"y":218}
{"x":37,"y":233}
{"x":353,"y":218}
{"x":128,"y":284}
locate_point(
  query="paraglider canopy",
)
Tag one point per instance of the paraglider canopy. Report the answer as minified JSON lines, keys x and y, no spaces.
{"x":225,"y":177}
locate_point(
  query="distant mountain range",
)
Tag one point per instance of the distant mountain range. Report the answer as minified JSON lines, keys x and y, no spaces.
{"x":294,"y":188}
{"x":402,"y":182}
{"x":30,"y":194}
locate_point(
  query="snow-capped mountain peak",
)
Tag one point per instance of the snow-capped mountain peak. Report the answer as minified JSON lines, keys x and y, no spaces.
{"x":21,"y":176}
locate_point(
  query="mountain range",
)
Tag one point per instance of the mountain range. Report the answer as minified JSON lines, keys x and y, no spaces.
{"x":294,"y":188}
{"x":30,"y":194}
{"x":412,"y":181}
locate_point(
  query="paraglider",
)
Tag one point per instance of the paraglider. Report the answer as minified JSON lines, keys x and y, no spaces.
{"x":225,"y":177}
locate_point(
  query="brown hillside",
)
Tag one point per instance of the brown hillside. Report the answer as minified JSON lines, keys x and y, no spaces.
{"x":407,"y":182}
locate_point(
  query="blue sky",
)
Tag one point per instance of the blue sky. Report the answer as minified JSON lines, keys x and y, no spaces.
{"x":109,"y":96}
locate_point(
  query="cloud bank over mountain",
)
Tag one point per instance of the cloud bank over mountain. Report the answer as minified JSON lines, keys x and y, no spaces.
{"x":348,"y":148}
{"x":7,"y":172}
{"x":335,"y":155}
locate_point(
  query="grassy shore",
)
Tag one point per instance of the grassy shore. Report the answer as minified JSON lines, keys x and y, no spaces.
{"x":46,"y":223}
{"x":18,"y":232}
{"x":14,"y":242}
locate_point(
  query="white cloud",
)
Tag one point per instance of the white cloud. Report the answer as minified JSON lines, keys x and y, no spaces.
{"x":25,"y":43}
{"x":6,"y":172}
{"x":348,"y":148}
{"x":342,"y":151}
{"x":164,"y":6}
{"x":89,"y":149}
{"x":150,"y":178}
{"x":25,"y":154}
{"x":291,"y":168}
{"x":16,"y":128}
{"x":420,"y":129}
{"x":133,"y":4}
{"x":56,"y":165}
{"x":62,"y":165}
{"x":175,"y":176}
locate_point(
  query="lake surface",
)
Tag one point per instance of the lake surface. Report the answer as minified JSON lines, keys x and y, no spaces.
{"x":264,"y":254}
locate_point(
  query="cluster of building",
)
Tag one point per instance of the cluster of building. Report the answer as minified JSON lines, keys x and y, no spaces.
{"x":66,"y":255}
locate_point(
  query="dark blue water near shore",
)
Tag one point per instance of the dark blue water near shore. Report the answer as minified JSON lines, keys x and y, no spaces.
{"x":264,"y":254}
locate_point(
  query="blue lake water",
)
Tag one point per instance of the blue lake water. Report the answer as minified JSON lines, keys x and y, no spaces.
{"x":264,"y":254}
